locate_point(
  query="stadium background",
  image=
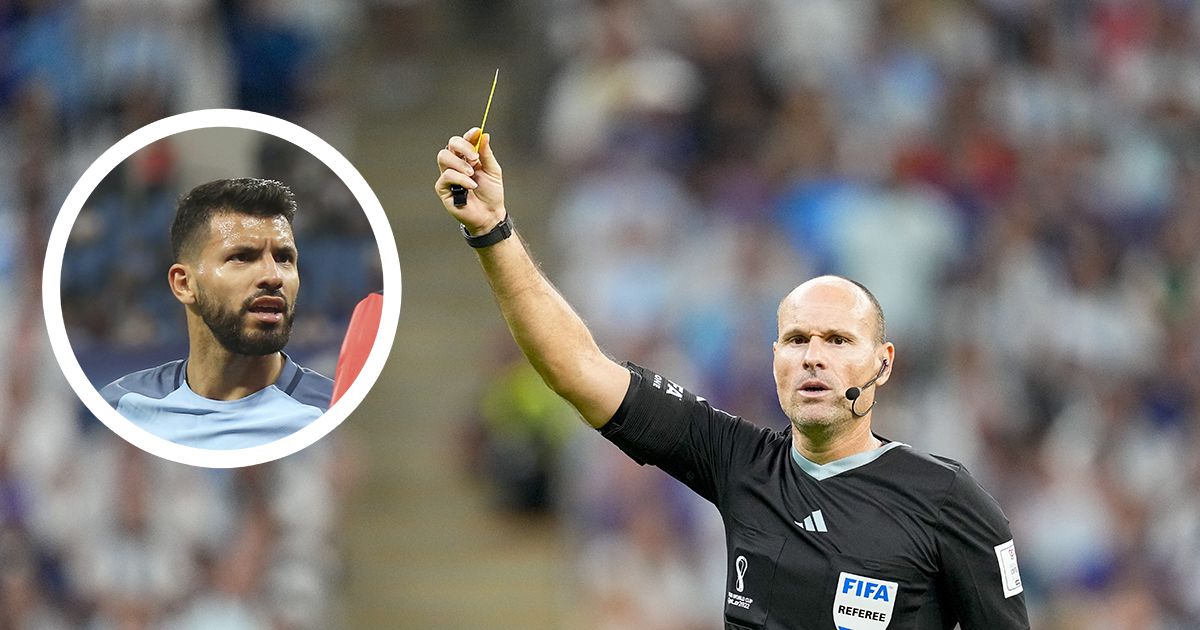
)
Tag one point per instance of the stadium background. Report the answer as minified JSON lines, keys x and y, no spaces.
{"x":1016,"y":179}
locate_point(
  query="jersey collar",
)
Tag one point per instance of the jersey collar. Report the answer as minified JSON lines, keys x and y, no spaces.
{"x":821,"y":472}
{"x":288,"y":379}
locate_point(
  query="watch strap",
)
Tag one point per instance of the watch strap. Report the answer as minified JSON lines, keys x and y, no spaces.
{"x":503,"y":230}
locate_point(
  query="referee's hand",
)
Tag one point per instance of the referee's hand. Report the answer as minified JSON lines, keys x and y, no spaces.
{"x":480,"y":174}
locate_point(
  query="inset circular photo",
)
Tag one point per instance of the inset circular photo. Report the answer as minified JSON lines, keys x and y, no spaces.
{"x":221,"y":288}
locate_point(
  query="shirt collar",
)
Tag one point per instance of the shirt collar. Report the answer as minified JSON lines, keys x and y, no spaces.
{"x":821,"y":472}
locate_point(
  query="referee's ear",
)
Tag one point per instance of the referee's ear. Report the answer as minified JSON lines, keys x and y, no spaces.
{"x":180,"y":279}
{"x":889,"y":361}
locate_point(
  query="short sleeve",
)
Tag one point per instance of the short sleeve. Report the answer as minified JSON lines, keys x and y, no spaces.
{"x":155,"y":382}
{"x":662,"y":424}
{"x":979,"y":563}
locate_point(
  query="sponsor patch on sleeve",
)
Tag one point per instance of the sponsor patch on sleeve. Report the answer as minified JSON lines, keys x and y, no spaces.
{"x":1006,"y":554}
{"x":672,"y":388}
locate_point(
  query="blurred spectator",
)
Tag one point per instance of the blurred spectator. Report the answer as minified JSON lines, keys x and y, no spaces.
{"x":618,"y":81}
{"x":639,"y":571}
{"x":520,"y":434}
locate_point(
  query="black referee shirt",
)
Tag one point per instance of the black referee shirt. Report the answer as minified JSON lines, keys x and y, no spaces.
{"x":890,"y":538}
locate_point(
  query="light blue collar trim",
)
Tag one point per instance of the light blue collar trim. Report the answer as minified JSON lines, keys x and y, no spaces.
{"x":821,"y":472}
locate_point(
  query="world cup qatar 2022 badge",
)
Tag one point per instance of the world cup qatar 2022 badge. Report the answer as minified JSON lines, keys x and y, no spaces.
{"x":736,"y":599}
{"x":863,"y":603}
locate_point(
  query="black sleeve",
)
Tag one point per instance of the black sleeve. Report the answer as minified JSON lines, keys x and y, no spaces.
{"x":662,"y":424}
{"x":979,"y":565}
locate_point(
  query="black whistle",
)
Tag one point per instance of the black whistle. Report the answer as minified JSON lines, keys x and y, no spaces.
{"x":459,"y":194}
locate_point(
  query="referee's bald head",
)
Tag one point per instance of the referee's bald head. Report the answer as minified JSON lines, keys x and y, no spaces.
{"x":876,"y":311}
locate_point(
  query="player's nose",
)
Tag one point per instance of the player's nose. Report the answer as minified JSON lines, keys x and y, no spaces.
{"x":271,"y":275}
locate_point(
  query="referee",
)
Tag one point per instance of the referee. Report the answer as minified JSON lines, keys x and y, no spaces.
{"x":827,"y":525}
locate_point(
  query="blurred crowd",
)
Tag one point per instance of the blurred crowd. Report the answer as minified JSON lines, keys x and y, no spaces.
{"x":1018,"y":181}
{"x":93,"y":532}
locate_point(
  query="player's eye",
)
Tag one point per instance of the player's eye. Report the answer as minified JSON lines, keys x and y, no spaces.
{"x":285,"y":258}
{"x":839,"y":340}
{"x":239,"y":257}
{"x":797,"y":339}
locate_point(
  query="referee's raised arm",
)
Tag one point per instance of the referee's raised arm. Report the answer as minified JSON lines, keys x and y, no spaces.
{"x":549,"y":332}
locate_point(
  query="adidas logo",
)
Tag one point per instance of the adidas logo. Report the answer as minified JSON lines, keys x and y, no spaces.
{"x":814,"y":522}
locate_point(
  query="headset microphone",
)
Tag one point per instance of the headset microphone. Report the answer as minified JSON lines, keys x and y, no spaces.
{"x":853,"y":393}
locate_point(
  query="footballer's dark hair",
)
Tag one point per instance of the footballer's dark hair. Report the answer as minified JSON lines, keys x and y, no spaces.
{"x":242,"y":195}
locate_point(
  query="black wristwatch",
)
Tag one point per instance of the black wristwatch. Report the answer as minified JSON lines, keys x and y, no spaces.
{"x":503,"y":230}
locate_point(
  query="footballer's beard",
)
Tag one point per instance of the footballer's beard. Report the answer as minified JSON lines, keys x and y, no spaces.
{"x":228,"y":328}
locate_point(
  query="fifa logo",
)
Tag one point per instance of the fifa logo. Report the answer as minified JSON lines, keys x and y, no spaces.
{"x":866,"y":589}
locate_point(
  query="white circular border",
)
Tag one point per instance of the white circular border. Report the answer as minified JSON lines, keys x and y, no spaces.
{"x":52,"y":299}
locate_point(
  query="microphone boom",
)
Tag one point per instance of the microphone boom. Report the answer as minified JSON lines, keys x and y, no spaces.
{"x":853,"y":393}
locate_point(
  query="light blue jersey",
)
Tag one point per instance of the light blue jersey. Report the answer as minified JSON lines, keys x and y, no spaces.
{"x":160,"y":401}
